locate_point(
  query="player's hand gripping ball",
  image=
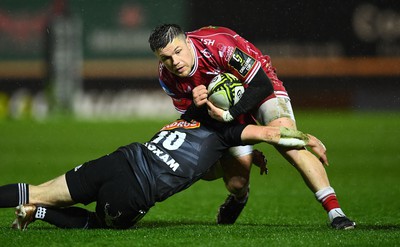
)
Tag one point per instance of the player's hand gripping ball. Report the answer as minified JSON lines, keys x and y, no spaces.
{"x":225,"y":90}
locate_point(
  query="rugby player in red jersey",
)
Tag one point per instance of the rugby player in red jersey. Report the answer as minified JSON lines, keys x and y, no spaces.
{"x":188,"y":62}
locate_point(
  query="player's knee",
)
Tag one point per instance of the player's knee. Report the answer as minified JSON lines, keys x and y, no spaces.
{"x":237,"y":184}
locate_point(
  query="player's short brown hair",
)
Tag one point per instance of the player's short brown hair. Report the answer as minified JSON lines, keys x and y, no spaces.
{"x":162,"y":35}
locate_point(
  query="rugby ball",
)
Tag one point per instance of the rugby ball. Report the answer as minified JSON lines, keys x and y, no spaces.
{"x":225,"y":90}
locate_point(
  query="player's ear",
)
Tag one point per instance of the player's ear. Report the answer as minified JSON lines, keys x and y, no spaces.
{"x":187,"y":40}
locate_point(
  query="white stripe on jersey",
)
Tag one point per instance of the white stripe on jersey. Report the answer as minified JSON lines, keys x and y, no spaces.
{"x":180,"y":110}
{"x":282,"y":94}
{"x":253,"y":72}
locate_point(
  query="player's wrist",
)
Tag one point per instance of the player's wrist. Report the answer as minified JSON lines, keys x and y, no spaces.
{"x":291,"y":142}
{"x":292,"y":138}
{"x":292,"y":133}
{"x":226,"y":116}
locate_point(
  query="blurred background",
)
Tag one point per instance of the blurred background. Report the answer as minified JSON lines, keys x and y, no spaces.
{"x":91,"y":59}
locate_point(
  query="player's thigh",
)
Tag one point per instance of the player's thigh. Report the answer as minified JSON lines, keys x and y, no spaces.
{"x":276,"y":112}
{"x":52,"y":193}
{"x":85,"y":181}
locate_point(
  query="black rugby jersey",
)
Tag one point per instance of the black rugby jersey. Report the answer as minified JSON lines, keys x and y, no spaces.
{"x":176,"y":157}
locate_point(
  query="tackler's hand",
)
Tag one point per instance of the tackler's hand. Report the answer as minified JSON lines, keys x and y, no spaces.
{"x":318,"y":148}
{"x":260,"y":161}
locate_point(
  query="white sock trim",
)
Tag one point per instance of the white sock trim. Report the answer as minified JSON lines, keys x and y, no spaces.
{"x":22,"y":194}
{"x":322,"y":193}
{"x":336,"y":212}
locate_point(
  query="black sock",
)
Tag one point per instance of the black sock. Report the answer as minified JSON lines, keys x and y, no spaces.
{"x":71,"y":217}
{"x":12,"y":195}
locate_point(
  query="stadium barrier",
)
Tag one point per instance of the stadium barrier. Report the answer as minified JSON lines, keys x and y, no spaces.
{"x":287,"y":67}
{"x":129,"y":88}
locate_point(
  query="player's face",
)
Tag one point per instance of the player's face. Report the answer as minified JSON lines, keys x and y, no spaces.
{"x":177,"y":56}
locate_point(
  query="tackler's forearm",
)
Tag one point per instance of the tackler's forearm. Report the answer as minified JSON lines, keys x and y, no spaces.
{"x":282,"y":136}
{"x":292,"y":138}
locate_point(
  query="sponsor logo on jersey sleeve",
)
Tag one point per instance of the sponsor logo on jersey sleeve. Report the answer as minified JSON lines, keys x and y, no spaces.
{"x":241,"y":62}
{"x":224,"y":51}
{"x":182,"y":124}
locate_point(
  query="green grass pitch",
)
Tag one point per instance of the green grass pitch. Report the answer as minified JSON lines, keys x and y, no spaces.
{"x":364,"y":155}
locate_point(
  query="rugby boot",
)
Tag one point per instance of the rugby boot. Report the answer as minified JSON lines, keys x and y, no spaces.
{"x":25,"y":214}
{"x":230,"y":210}
{"x":343,"y":223}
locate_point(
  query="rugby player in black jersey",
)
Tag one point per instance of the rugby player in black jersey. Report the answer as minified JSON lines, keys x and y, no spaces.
{"x":126,"y":183}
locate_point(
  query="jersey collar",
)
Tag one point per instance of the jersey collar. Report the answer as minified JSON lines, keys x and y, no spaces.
{"x":196,"y":60}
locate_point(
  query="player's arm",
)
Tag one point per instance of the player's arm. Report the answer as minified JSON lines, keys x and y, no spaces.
{"x":282,"y":136}
{"x":245,"y":63}
{"x":254,"y":134}
{"x":259,"y":89}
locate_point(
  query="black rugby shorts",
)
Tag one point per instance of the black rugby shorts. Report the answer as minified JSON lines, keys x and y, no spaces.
{"x":109,"y":181}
